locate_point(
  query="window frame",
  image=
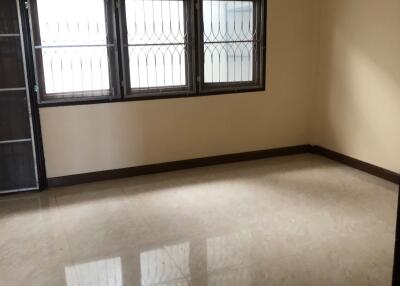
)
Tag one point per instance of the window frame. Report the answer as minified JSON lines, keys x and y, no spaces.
{"x":119,"y":60}
{"x":156,"y":92}
{"x":79,"y":97}
{"x":258,"y":59}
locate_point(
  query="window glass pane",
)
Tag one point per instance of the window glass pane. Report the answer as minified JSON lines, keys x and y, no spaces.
{"x":157,"y":66}
{"x":228,"y":41}
{"x":228,"y":62}
{"x":75,"y":69}
{"x":228,"y":20}
{"x":73,"y":46}
{"x":156,"y":43}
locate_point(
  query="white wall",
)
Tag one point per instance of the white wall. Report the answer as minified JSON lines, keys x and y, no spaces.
{"x":87,"y":138}
{"x":358,"y":85}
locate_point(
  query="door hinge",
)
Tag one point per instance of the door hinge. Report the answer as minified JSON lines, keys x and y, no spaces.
{"x":36,"y":89}
{"x":27,"y":4}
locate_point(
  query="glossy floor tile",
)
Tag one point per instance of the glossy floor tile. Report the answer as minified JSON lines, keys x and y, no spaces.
{"x":297,"y":220}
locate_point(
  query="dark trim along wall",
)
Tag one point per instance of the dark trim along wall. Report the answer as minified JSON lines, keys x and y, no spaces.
{"x":357,"y":164}
{"x":176,"y":165}
{"x":222,"y":159}
{"x":396,"y":262}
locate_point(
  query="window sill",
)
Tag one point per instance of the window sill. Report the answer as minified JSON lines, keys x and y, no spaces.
{"x":86,"y":101}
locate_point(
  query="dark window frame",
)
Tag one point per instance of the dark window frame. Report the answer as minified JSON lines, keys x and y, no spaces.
{"x":187,"y":89}
{"x":80,"y":96}
{"x":119,"y":61}
{"x":258,"y":59}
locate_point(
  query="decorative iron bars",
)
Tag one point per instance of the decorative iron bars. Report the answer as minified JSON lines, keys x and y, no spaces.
{"x":229,"y":40}
{"x":166,"y":47}
{"x":71,"y":47}
{"x":157,"y":43}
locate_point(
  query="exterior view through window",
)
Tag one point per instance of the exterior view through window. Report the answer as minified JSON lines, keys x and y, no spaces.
{"x":108,"y":49}
{"x":228,"y":41}
{"x":72,"y":48}
{"x":157,"y":43}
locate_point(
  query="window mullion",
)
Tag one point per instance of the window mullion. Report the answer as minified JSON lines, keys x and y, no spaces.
{"x":113,"y":53}
{"x":196,"y":46}
{"x":123,"y":49}
{"x":191,"y":16}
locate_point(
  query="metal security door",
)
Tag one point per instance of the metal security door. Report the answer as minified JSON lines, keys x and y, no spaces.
{"x":18,"y":167}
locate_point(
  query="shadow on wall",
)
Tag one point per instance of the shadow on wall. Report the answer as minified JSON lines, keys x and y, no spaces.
{"x":359,"y":80}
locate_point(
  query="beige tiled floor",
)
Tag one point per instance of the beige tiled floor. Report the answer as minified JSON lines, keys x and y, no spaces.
{"x":299,"y":220}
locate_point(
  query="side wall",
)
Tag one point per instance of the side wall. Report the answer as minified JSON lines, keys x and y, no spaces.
{"x":358,"y":94}
{"x":88,"y":138}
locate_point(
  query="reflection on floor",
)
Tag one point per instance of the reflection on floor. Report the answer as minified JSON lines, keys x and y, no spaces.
{"x":298,"y":220}
{"x":100,"y":272}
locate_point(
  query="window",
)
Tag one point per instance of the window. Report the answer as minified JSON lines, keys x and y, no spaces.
{"x":74,"y":49}
{"x":157,"y":47}
{"x":109,"y":49}
{"x":227,"y":36}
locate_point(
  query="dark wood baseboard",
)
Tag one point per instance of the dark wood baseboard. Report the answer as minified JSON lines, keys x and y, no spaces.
{"x":223,"y":159}
{"x":176,"y":165}
{"x":230,"y":158}
{"x":357,"y":164}
{"x":396,"y":263}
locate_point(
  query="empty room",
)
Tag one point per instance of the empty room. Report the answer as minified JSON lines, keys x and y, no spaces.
{"x":199,"y":142}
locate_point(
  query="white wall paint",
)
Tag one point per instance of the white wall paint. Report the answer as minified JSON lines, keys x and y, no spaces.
{"x":358,"y":85}
{"x":87,"y":138}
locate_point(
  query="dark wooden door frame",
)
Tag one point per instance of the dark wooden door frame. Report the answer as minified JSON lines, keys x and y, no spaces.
{"x":37,"y":130}
{"x":396,"y":263}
